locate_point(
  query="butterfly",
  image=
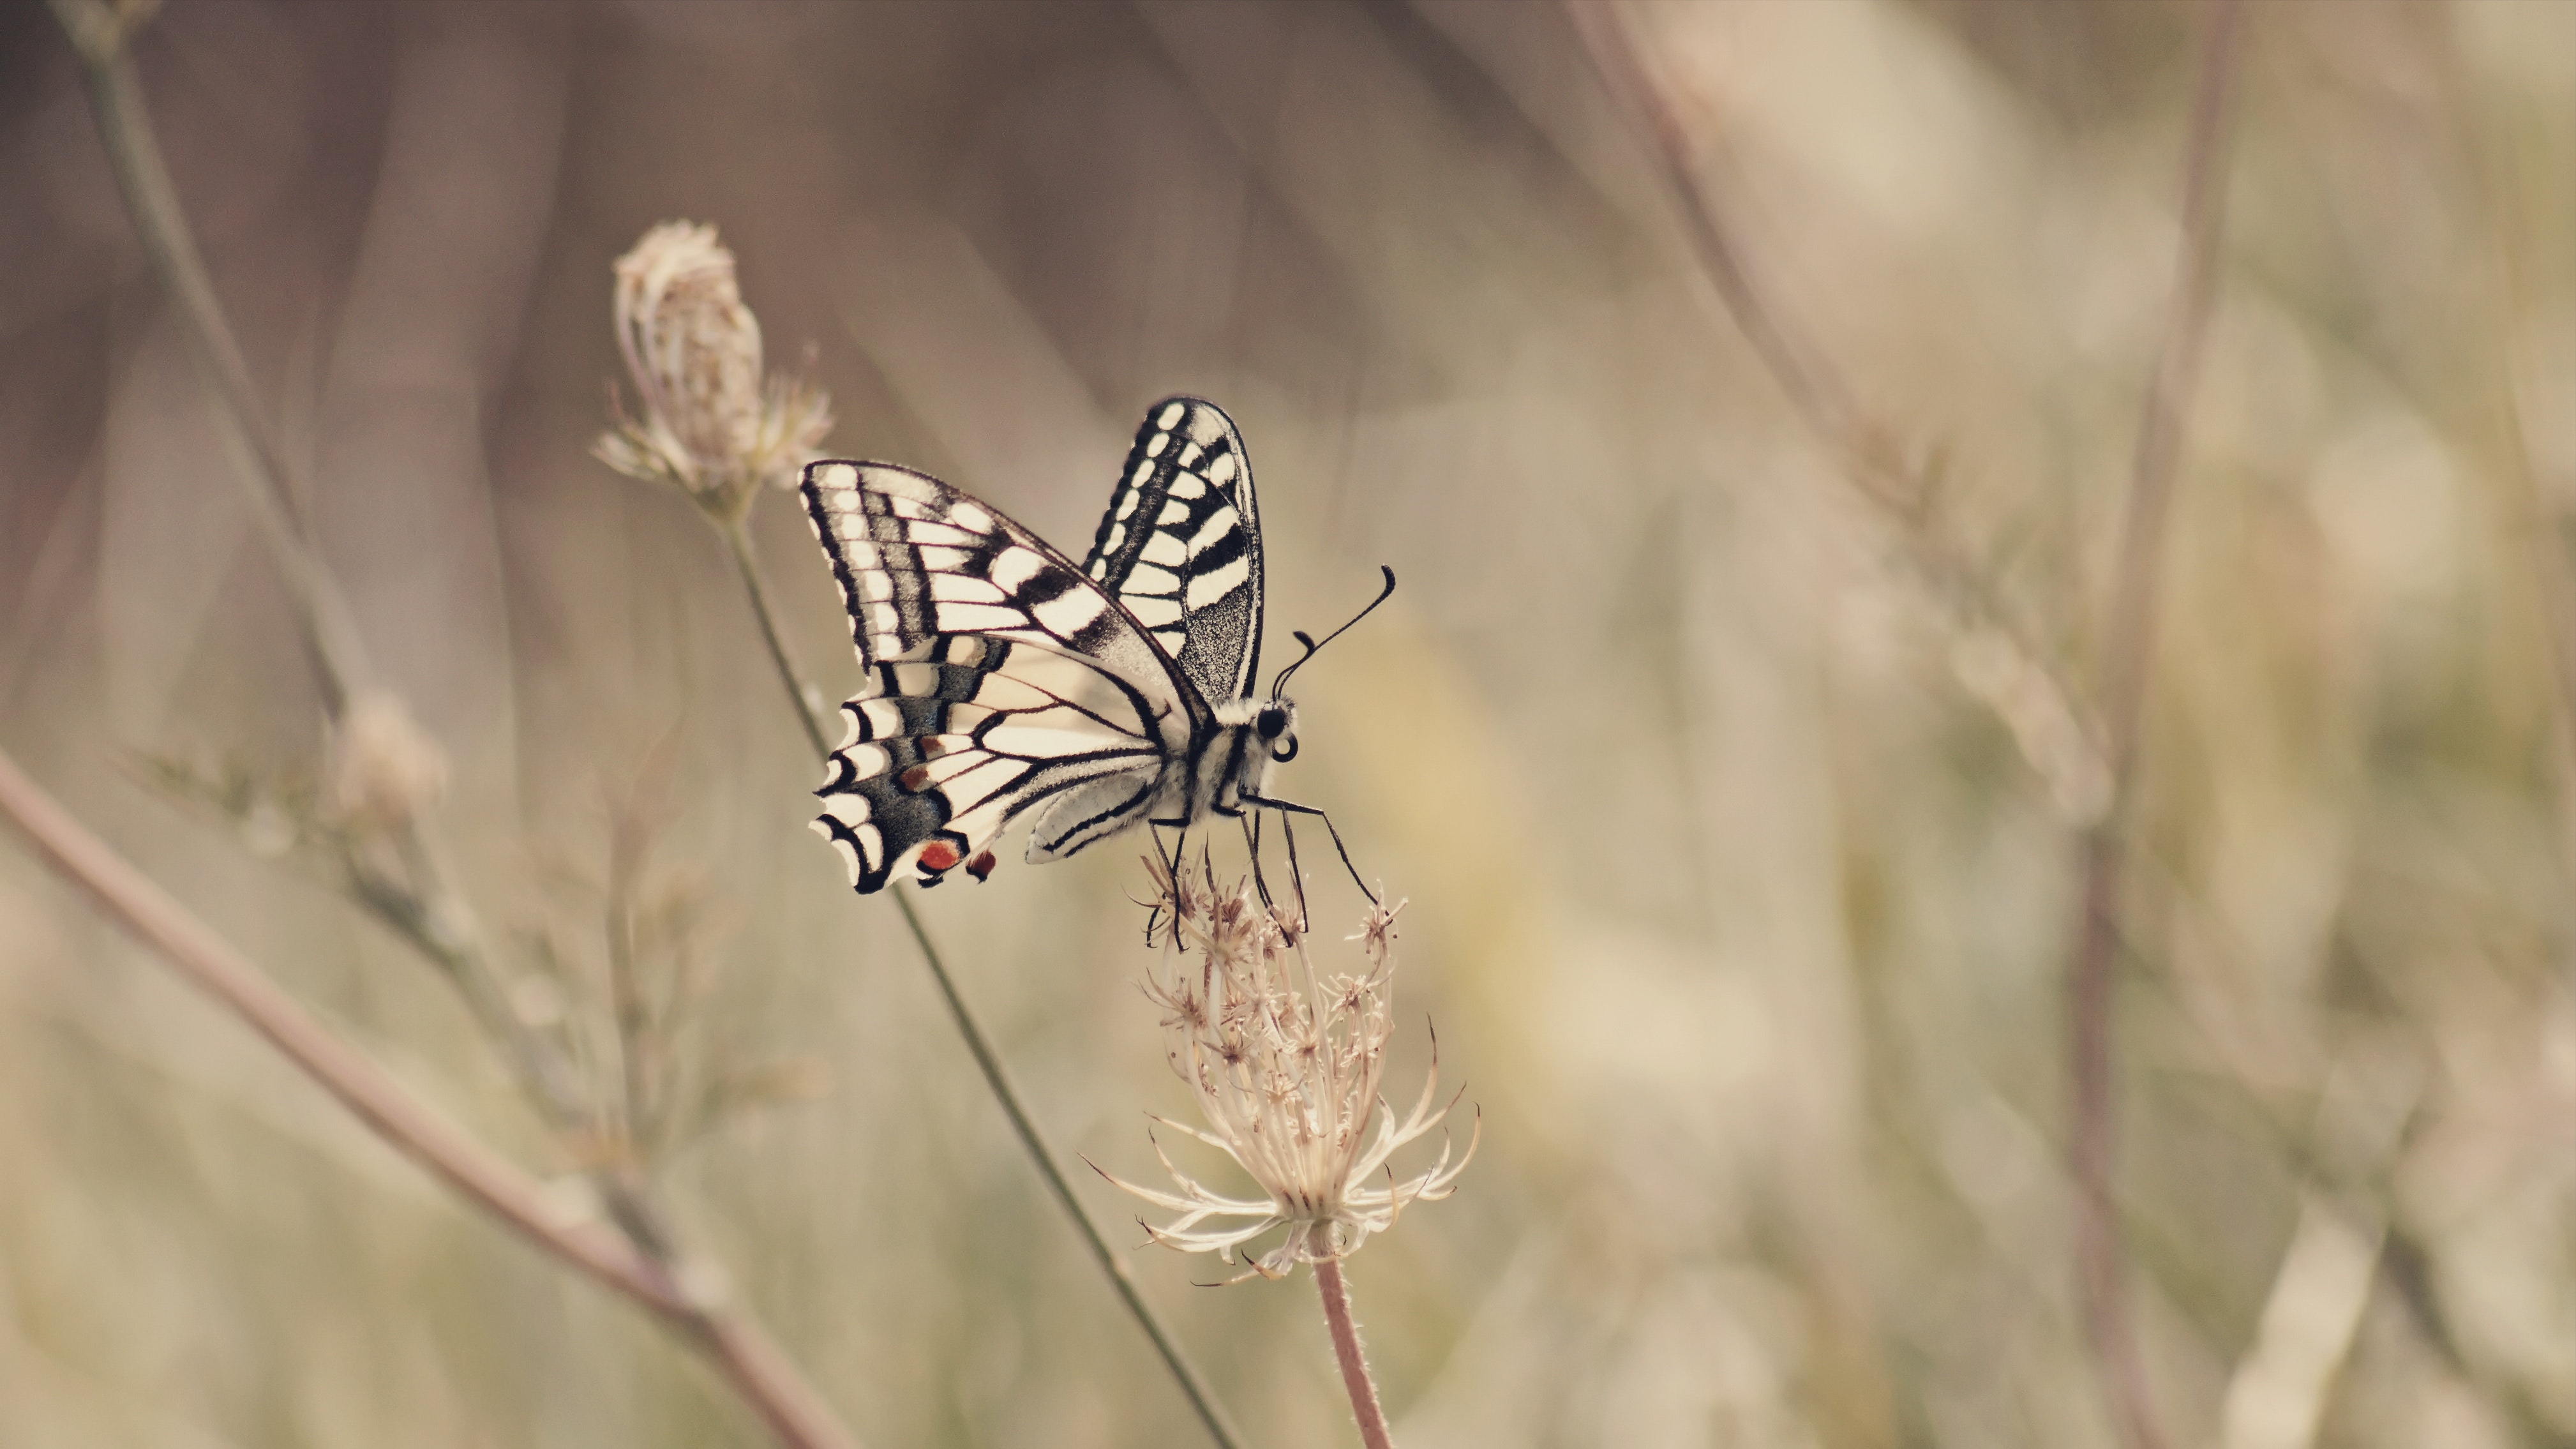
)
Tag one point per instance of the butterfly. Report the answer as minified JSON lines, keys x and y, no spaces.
{"x":1005,"y":682}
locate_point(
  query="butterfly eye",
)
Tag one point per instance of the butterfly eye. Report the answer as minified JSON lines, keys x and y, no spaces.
{"x":1271,"y":722}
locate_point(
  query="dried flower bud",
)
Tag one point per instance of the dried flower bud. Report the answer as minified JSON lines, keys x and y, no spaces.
{"x":709,"y":424}
{"x":384,"y":767}
{"x":1286,"y":1068}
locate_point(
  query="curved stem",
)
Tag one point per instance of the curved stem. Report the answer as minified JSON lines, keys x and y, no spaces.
{"x":99,"y":35}
{"x":152,"y":916}
{"x":424,"y":909}
{"x":996,"y":1076}
{"x":1818,"y":391}
{"x":2101,"y":1266}
{"x":1348,"y":1357}
{"x":636,"y":1265}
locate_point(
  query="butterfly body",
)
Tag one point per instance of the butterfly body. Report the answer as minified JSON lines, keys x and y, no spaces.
{"x":1007,"y":683}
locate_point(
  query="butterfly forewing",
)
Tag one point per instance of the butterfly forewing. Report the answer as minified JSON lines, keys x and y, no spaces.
{"x":999,"y":679}
{"x":1180,"y":546}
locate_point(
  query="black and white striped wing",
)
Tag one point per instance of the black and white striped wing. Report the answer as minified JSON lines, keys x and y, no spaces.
{"x":1181,"y":544}
{"x":1000,"y":680}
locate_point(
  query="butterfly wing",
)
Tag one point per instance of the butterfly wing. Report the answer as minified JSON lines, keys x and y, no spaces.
{"x":1181,"y":544}
{"x":998,"y":679}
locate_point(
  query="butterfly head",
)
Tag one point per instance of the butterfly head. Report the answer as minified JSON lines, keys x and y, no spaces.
{"x":1276,"y":724}
{"x":1269,"y":733}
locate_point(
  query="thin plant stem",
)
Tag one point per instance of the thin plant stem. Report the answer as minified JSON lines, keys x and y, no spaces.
{"x":99,"y":35}
{"x":425,"y":912}
{"x":1813,"y":386}
{"x":996,"y":1076}
{"x":2101,"y":1259}
{"x":626,"y":1000}
{"x":680,"y":1297}
{"x":1819,"y":392}
{"x":2524,"y":488}
{"x":423,"y":909}
{"x":1347,"y":1355}
{"x":1202,"y":1398}
{"x":737,"y":537}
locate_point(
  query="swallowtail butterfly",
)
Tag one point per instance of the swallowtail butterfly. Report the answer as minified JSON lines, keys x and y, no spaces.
{"x":1005,"y":681}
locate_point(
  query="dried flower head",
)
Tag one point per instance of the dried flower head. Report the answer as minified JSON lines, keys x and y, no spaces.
{"x":384,"y":767}
{"x":1286,"y":1068}
{"x":710,"y":424}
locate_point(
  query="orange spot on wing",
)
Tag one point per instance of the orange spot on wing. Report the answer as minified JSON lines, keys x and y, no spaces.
{"x":938,"y":855}
{"x":981,"y":866}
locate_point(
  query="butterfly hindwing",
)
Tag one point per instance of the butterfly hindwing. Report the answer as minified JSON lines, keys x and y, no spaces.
{"x":1180,"y":546}
{"x":999,"y":679}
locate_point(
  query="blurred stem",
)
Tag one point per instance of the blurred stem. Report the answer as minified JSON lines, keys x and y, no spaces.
{"x":1202,"y":1398}
{"x":639,"y":1266}
{"x":1821,"y":395}
{"x":99,"y":35}
{"x":152,"y":917}
{"x":428,"y":914}
{"x":2531,"y":511}
{"x":2102,"y":1283}
{"x":996,"y":1076}
{"x":626,"y":1002}
{"x":1348,"y":1357}
{"x":1803,"y":373}
{"x":423,"y":909}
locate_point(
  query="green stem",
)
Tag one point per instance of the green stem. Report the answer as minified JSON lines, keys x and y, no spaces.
{"x":996,"y":1076}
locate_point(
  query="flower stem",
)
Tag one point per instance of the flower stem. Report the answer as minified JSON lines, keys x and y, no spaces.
{"x":424,"y":908}
{"x":648,"y":1264}
{"x":1347,"y":1355}
{"x":639,"y":1263}
{"x":737,"y":539}
{"x":2101,"y":1254}
{"x":996,"y":1076}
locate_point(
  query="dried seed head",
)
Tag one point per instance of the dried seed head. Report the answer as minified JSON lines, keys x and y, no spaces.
{"x":1286,"y":1067}
{"x":709,"y":424}
{"x":384,"y":767}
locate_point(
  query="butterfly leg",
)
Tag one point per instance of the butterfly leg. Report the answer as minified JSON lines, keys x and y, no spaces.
{"x":1296,"y":872}
{"x":1180,"y":843}
{"x":1251,"y":821}
{"x":1287,"y":808}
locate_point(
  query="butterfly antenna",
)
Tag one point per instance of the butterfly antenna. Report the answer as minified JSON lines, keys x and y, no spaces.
{"x":1312,"y":646}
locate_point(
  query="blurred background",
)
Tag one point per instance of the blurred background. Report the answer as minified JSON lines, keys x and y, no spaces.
{"x":1739,"y":813}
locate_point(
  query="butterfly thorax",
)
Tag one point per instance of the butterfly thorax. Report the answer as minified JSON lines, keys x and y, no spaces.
{"x":1251,"y":737}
